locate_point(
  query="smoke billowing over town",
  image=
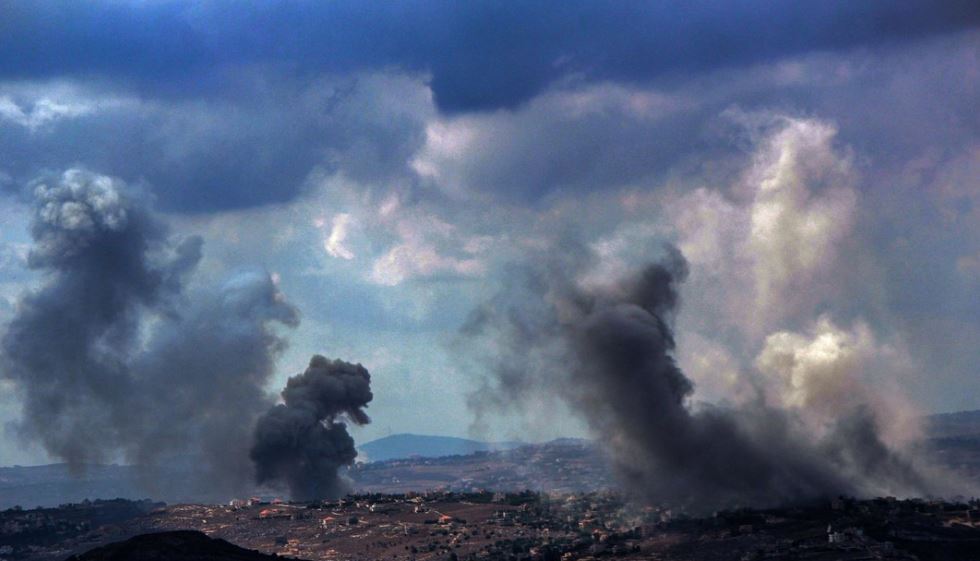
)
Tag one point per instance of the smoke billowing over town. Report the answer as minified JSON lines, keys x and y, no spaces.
{"x":489,"y":281}
{"x":97,"y":387}
{"x":608,"y":351}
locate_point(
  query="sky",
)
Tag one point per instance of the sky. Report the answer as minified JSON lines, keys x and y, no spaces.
{"x":394,"y":167}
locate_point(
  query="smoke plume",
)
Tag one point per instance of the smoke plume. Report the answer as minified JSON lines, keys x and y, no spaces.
{"x":114,"y":359}
{"x":303,"y":441}
{"x":607,"y":350}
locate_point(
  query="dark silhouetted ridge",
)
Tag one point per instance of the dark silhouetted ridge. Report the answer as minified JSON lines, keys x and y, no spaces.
{"x":181,"y":545}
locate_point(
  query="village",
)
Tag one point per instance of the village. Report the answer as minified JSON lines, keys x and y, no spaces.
{"x":524,"y":526}
{"x":561,"y":466}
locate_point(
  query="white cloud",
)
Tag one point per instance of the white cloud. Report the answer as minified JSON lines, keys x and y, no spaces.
{"x":334,"y":243}
{"x":42,"y":111}
{"x":427,"y":246}
{"x":412,"y":259}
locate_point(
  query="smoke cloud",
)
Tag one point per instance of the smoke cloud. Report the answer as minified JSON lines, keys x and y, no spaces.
{"x":607,"y":350}
{"x":303,"y":442}
{"x":114,"y":359}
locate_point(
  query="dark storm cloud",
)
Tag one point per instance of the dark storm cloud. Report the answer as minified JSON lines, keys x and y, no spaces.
{"x":892,"y":105}
{"x":207,"y":154}
{"x":546,"y":151}
{"x":111,"y":357}
{"x":303,"y":441}
{"x":608,"y":352}
{"x":218,"y":107}
{"x":481,"y":55}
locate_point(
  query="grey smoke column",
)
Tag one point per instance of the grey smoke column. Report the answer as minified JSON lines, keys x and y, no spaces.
{"x":113,"y":358}
{"x":303,"y":441}
{"x":607,"y":351}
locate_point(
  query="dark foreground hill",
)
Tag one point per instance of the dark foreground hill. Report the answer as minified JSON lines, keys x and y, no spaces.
{"x":181,"y":545}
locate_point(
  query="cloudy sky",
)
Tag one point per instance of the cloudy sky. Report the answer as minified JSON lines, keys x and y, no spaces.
{"x":392,"y":167}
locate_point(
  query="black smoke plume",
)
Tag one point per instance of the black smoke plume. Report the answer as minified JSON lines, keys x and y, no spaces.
{"x":303,"y":442}
{"x":113,"y":359}
{"x":608,"y":352}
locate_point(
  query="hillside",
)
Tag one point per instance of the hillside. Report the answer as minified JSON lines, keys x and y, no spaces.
{"x":403,"y":462}
{"x":958,"y":424}
{"x":399,"y":446}
{"x":182,"y":545}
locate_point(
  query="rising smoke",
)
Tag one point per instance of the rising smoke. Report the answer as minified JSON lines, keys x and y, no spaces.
{"x":114,"y":359}
{"x":303,"y":442}
{"x":607,"y":351}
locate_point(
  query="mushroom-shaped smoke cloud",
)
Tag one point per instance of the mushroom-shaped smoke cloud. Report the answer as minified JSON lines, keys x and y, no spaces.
{"x":303,"y":441}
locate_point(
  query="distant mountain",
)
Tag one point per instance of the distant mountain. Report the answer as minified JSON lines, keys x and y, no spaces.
{"x":181,"y":545}
{"x":958,"y":424}
{"x":399,"y":446}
